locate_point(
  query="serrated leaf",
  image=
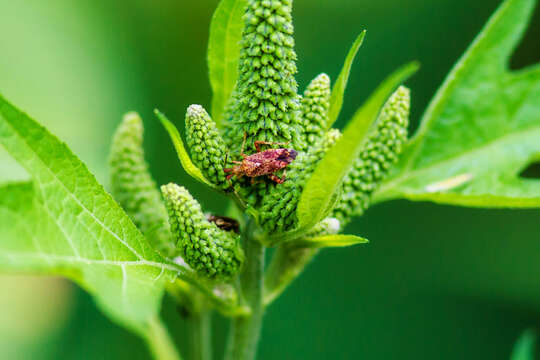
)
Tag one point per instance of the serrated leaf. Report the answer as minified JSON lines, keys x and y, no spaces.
{"x":66,"y":223}
{"x":326,"y":179}
{"x":223,"y":52}
{"x":524,"y":348}
{"x":338,"y":90}
{"x":183,"y":155}
{"x":326,"y":241}
{"x":481,"y":129}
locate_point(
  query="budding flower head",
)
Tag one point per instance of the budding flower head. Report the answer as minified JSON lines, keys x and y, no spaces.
{"x":265,"y":103}
{"x":211,"y":252}
{"x":278,"y":210}
{"x":133,"y":186}
{"x":380,"y":152}
{"x":315,"y":106}
{"x":207,"y":149}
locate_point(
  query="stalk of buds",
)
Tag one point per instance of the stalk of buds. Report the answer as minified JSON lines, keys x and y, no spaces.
{"x":212,"y":252}
{"x":381,"y":151}
{"x":134,"y":188}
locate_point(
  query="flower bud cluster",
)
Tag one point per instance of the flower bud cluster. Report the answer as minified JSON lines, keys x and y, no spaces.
{"x":133,"y":186}
{"x":380,"y":152}
{"x":265,"y":104}
{"x":207,"y":149}
{"x":315,"y":106}
{"x":210,"y":251}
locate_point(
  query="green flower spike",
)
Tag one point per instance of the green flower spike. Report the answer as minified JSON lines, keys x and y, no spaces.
{"x":315,"y":105}
{"x":380,"y":152}
{"x":277,"y":213}
{"x":265,"y":103}
{"x":207,"y":148}
{"x":133,"y":186}
{"x":211,"y":252}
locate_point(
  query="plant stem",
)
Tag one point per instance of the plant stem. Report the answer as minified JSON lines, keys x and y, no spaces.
{"x":160,"y":343}
{"x":286,"y":265}
{"x":201,"y":336}
{"x":245,"y":330}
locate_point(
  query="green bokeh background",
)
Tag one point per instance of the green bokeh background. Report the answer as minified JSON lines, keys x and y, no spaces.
{"x":435,"y":282}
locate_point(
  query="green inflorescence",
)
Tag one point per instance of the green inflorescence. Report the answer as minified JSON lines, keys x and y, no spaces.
{"x":133,"y":186}
{"x":265,"y":104}
{"x":277,"y":213}
{"x":381,"y":151}
{"x":315,"y":105}
{"x":207,"y":149}
{"x":211,"y":252}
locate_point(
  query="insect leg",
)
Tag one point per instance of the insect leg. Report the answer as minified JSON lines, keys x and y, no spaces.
{"x":243,"y":145}
{"x":276,"y":179}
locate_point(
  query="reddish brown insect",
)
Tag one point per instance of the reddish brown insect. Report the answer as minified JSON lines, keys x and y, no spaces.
{"x":224,"y":223}
{"x":261,"y":163}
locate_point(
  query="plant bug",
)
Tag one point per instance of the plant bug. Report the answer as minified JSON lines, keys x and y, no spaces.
{"x":262,"y":163}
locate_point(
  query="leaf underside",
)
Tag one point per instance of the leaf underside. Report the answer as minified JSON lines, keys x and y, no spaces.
{"x":481,"y":129}
{"x":65,"y":223}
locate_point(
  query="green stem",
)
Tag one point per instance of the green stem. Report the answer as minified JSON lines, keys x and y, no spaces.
{"x":160,"y":343}
{"x":245,"y":330}
{"x":286,"y":265}
{"x":201,"y":336}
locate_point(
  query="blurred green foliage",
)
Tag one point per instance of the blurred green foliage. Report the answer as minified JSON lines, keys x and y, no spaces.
{"x":435,"y":281}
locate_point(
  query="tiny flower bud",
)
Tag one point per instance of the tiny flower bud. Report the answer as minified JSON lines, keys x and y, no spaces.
{"x":211,"y":252}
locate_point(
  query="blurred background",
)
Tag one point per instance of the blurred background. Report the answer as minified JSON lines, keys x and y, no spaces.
{"x":435,"y":282}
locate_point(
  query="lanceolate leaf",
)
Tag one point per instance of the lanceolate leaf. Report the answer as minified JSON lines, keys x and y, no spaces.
{"x":66,"y":223}
{"x":224,"y":51}
{"x":183,"y":155}
{"x":338,"y":91}
{"x":326,"y":179}
{"x":481,"y":129}
{"x":330,"y":241}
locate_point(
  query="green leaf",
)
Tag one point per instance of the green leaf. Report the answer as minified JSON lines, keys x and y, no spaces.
{"x":326,"y":241}
{"x":481,"y":129}
{"x":65,"y":223}
{"x":338,"y":91}
{"x":524,"y":348}
{"x":326,"y":179}
{"x":183,"y":155}
{"x":223,"y":52}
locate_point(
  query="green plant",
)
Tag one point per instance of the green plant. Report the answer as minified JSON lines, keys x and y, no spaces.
{"x":480,"y":130}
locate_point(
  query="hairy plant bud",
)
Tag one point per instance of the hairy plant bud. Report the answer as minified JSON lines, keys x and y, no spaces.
{"x":211,"y":252}
{"x":207,"y":149}
{"x":378,"y":155}
{"x":328,"y":226}
{"x":265,"y":103}
{"x":315,"y":106}
{"x":278,"y":210}
{"x":133,"y":186}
